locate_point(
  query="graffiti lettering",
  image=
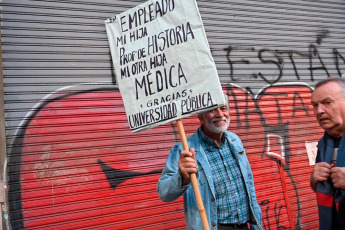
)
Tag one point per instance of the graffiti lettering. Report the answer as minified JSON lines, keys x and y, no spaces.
{"x":276,"y":62}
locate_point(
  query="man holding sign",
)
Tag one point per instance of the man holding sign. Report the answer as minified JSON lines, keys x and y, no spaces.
{"x":165,"y":72}
{"x":224,"y":176}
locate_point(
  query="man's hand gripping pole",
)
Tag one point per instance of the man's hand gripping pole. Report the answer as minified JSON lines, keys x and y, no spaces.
{"x":195,"y":185}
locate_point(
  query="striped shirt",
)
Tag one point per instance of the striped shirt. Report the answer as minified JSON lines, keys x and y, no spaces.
{"x":231,"y":195}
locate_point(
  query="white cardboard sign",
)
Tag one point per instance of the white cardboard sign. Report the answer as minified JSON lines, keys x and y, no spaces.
{"x":163,"y":63}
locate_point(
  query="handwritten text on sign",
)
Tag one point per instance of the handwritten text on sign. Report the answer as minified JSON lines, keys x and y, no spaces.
{"x":163,"y":63}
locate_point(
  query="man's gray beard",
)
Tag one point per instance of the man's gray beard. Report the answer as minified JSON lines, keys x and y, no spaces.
{"x":218,"y":129}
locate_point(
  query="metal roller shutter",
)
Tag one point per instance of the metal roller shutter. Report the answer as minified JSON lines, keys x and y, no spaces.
{"x":72,"y":161}
{"x":77,"y":166}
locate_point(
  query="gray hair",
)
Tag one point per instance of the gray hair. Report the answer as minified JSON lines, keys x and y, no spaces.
{"x":340,"y":81}
{"x":227,"y":101}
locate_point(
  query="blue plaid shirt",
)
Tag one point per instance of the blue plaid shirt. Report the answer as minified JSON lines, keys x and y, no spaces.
{"x":231,"y":196}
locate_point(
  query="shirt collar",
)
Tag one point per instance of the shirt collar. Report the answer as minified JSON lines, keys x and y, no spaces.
{"x":208,"y":140}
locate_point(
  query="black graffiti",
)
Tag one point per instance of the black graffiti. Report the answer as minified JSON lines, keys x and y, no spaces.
{"x":117,"y":176}
{"x":313,"y":52}
{"x":277,"y":60}
{"x":336,"y":56}
{"x":276,"y":99}
{"x":303,"y":107}
{"x":277,"y":214}
{"x":257,"y":110}
{"x":247,"y":111}
{"x":113,"y":74}
{"x":278,"y":63}
{"x":321,"y":35}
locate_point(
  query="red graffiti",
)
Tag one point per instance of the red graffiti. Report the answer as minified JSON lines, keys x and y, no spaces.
{"x":81,"y":167}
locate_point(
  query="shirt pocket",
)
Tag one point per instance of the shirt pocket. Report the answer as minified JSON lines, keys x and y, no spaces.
{"x":201,"y":175}
{"x":240,"y":150}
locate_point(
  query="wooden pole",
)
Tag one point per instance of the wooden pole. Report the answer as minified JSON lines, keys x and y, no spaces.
{"x":194,"y":180}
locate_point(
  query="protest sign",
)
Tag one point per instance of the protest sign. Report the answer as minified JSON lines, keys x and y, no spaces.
{"x":163,"y":64}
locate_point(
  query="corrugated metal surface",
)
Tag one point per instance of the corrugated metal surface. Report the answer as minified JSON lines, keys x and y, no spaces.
{"x":77,"y":166}
{"x":73,"y":164}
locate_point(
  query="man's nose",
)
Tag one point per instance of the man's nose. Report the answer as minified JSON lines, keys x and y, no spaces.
{"x":320,"y":109}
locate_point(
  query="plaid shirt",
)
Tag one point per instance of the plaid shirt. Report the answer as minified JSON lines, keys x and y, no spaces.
{"x":231,"y":196}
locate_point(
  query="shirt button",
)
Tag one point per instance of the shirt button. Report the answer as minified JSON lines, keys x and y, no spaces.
{"x":212,"y":199}
{"x":213,"y":224}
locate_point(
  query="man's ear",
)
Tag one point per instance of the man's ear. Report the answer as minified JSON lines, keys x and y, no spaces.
{"x":201,"y":118}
